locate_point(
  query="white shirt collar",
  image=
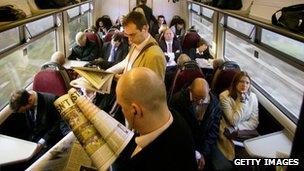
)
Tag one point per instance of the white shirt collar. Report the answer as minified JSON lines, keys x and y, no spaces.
{"x":143,"y":140}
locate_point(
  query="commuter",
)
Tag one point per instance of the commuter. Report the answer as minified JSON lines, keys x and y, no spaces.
{"x":202,"y":111}
{"x":201,"y":51}
{"x":169,"y":43}
{"x":43,"y":122}
{"x":116,"y":50}
{"x":164,"y":140}
{"x":148,"y":12}
{"x":240,"y":107}
{"x":85,"y":50}
{"x":144,"y":51}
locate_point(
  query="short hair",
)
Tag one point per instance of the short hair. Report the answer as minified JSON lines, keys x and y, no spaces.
{"x":117,"y":37}
{"x":80,"y":36}
{"x":137,"y":18}
{"x":236,"y":79}
{"x":18,"y":99}
{"x":58,"y":57}
{"x":182,"y":59}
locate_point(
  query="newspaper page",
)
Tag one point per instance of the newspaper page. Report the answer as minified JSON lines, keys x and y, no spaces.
{"x":98,"y":78}
{"x":102,"y":145}
{"x":114,"y":133}
{"x":78,"y":159}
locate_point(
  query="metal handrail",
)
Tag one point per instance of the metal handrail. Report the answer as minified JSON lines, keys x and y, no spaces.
{"x":248,"y":19}
{"x":17,"y":23}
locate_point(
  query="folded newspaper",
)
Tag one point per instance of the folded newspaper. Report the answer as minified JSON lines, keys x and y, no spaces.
{"x":94,"y":79}
{"x":102,"y":137}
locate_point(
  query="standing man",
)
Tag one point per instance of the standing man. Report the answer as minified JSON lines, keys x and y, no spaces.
{"x":144,"y":51}
{"x":148,"y":12}
{"x":164,"y":140}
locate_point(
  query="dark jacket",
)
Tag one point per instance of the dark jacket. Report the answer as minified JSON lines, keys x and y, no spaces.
{"x":148,"y":13}
{"x":193,"y":55}
{"x":48,"y":124}
{"x":121,"y":52}
{"x":205,"y":132}
{"x":87,"y":53}
{"x":176,"y":46}
{"x":172,"y":150}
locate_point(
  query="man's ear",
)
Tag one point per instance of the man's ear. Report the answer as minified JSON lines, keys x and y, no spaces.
{"x":145,"y":28}
{"x":136,"y":110}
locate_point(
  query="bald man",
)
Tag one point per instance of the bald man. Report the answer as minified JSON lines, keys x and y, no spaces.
{"x":201,"y":109}
{"x":164,"y":140}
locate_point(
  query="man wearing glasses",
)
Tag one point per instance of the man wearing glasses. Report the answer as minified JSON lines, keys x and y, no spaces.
{"x":144,"y":51}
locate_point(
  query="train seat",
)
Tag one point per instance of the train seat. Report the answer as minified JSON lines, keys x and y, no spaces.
{"x":223,"y":76}
{"x":184,"y":76}
{"x":50,"y":81}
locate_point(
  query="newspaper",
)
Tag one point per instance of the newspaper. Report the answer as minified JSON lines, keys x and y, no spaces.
{"x":101,"y":136}
{"x":100,"y":79}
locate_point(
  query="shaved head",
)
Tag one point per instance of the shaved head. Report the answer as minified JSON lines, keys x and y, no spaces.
{"x":199,"y":89}
{"x":141,"y":85}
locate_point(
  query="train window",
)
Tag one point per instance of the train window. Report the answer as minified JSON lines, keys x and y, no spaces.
{"x":207,"y":13}
{"x":196,"y":8}
{"x":73,"y":12}
{"x":205,"y":29}
{"x":273,"y":77}
{"x":85,"y":7}
{"x":9,"y":38}
{"x":18,"y":68}
{"x":240,"y":26}
{"x":77,"y":25}
{"x":36,"y":27}
{"x":284,"y":44}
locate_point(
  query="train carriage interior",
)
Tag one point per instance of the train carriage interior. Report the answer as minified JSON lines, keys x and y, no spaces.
{"x":273,"y":56}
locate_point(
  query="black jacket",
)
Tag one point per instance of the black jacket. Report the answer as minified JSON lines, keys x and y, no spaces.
{"x":148,"y":13}
{"x":205,"y":132}
{"x":172,"y":150}
{"x":193,"y":55}
{"x":121,"y":52}
{"x":87,"y":53}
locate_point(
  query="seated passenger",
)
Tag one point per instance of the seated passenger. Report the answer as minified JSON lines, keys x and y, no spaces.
{"x":44,"y":124}
{"x":169,"y":43}
{"x":56,"y":63}
{"x":164,"y":140}
{"x":116,"y":50}
{"x":240,"y":107}
{"x":202,"y":51}
{"x":202,"y":111}
{"x":85,"y":50}
{"x":179,"y":28}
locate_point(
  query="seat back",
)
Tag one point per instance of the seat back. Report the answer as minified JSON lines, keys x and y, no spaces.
{"x":190,"y":41}
{"x":223,"y":76}
{"x":94,"y":37}
{"x":184,"y":77}
{"x":50,"y":81}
